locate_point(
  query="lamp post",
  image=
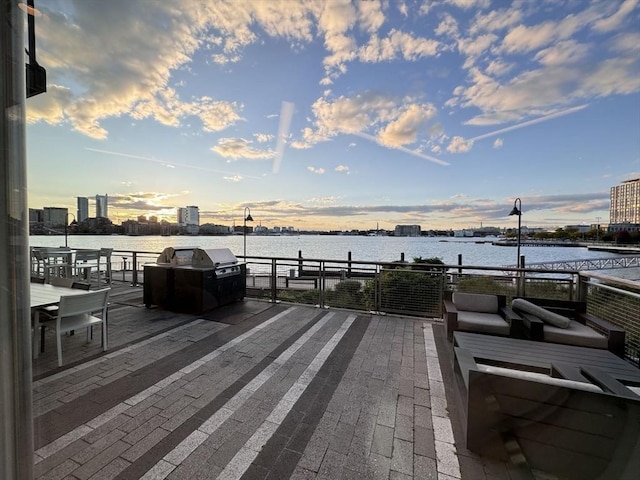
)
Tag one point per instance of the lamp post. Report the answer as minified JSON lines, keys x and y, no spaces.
{"x":66,"y":217}
{"x":517,"y":210}
{"x":247,"y":218}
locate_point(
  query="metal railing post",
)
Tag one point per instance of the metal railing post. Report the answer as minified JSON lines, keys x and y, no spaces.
{"x":582,"y":288}
{"x":274,"y":279}
{"x":322,"y":284}
{"x":134,"y":270}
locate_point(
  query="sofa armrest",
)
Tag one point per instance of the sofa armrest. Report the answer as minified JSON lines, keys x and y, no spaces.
{"x":533,"y":327}
{"x":516,"y":325}
{"x":607,"y":382}
{"x":450,"y":316}
{"x":614,"y":333}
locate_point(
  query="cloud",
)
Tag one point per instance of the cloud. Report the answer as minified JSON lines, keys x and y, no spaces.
{"x":263,"y":137}
{"x":316,"y":170}
{"x":405,"y":128}
{"x":614,"y":21}
{"x":498,"y":143}
{"x":342,"y":169}
{"x":459,"y":145}
{"x":562,"y":53}
{"x":239,"y":148}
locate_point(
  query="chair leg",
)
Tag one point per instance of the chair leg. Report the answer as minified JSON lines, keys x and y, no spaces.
{"x":34,"y":335}
{"x":104,"y":336}
{"x":59,"y":345}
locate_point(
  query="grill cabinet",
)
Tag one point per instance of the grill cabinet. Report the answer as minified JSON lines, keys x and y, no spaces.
{"x":194,"y":280}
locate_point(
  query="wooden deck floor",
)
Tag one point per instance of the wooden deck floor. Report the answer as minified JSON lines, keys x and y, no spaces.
{"x":255,"y":390}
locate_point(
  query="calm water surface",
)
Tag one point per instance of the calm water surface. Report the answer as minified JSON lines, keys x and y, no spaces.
{"x":384,"y":249}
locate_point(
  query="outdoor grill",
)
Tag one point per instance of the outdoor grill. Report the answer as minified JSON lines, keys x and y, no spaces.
{"x":194,"y":280}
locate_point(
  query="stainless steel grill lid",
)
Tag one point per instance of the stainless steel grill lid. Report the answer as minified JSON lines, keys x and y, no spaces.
{"x":213,"y":257}
{"x":176,"y":256}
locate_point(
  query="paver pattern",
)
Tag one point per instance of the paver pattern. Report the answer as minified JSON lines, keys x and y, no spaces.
{"x":276,"y":392}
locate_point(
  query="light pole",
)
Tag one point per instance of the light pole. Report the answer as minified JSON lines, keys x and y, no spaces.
{"x":247,"y":218}
{"x":517,"y":210}
{"x":66,"y":218}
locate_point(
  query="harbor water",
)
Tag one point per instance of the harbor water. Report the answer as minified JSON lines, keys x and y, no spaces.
{"x":474,"y":251}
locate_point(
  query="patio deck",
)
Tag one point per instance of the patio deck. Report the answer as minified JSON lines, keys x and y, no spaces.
{"x":253,"y":390}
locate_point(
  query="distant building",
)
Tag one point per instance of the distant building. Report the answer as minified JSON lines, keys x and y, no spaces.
{"x":407,"y":231}
{"x":55,"y":216}
{"x":36,"y":215}
{"x":189,"y":219}
{"x":83,"y":209}
{"x":625,"y":202}
{"x":188,"y":216}
{"x":102,"y":206}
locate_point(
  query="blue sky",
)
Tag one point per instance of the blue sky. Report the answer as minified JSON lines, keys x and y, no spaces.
{"x":336,"y":114}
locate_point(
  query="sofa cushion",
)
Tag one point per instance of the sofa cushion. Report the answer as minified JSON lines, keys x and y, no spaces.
{"x":575,"y":334}
{"x":475,"y":302}
{"x":479,"y":322}
{"x":540,"y":312}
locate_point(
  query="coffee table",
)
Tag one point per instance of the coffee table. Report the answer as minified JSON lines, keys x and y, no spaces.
{"x":578,"y":420}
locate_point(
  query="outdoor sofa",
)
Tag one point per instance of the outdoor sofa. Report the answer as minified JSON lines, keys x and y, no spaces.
{"x":567,"y":322}
{"x":480,"y":313}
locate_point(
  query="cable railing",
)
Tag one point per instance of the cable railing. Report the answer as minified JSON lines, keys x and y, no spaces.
{"x":417,"y":289}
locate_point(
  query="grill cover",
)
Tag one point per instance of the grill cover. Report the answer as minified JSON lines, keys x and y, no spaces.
{"x":177,"y":256}
{"x":213,"y":257}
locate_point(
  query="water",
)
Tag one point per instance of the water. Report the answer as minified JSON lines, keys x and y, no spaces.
{"x":376,"y":249}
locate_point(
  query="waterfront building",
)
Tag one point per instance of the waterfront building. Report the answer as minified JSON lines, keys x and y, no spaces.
{"x":83,"y":209}
{"x":36,"y":215}
{"x":55,"y":216}
{"x":407,"y":231}
{"x":102,"y":206}
{"x":625,"y":202}
{"x":189,"y":219}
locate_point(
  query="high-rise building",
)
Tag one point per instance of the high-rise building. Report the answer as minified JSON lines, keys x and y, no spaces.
{"x":188,"y":215}
{"x":102,"y":206}
{"x":83,"y":208}
{"x":189,"y":219}
{"x":625,"y":202}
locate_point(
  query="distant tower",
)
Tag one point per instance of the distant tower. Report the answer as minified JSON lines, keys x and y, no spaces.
{"x":83,"y":208}
{"x":102,"y":206}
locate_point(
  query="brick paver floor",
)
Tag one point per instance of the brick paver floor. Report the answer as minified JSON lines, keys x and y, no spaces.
{"x":275,"y":392}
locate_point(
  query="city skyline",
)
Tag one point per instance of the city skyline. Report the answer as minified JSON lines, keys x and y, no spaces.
{"x":338,"y":115}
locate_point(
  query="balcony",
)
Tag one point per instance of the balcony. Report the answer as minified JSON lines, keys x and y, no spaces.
{"x":327,"y":370}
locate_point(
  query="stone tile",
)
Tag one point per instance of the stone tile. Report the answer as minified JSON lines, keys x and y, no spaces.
{"x":425,"y":468}
{"x":424,"y":442}
{"x":404,"y":428}
{"x":402,"y":459}
{"x":382,"y":443}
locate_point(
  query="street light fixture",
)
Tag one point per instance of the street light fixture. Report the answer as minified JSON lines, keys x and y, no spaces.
{"x":66,"y":218}
{"x":247,"y":218}
{"x":517,"y":210}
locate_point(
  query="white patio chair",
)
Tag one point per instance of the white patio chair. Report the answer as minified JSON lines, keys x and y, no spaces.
{"x":85,"y":262}
{"x":77,"y":311}
{"x":105,"y":256}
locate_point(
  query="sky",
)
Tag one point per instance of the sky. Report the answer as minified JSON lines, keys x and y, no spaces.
{"x":338,"y":115}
